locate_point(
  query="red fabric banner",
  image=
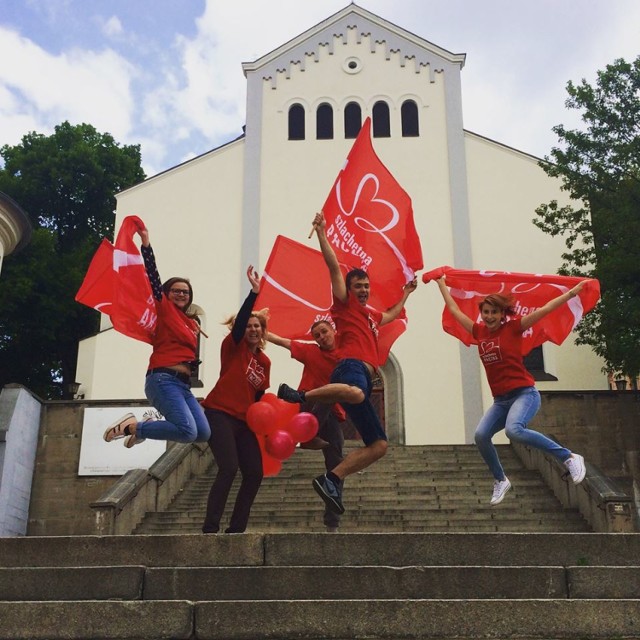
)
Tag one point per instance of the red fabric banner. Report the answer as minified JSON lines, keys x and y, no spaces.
{"x":116,"y":284}
{"x":296,"y":288}
{"x":370,"y":223}
{"x":528,"y":291}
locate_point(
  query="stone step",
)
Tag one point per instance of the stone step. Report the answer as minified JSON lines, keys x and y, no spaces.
{"x":321,"y":549}
{"x":316,"y":583}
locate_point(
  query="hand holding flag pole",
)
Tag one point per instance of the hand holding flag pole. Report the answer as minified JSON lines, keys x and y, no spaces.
{"x":315,"y":224}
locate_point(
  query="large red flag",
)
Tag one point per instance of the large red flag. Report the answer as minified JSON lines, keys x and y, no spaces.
{"x":528,"y":291}
{"x":370,"y":223}
{"x":296,"y":288}
{"x":117,"y":284}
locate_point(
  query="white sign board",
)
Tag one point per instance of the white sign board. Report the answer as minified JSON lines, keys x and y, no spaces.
{"x":100,"y":458}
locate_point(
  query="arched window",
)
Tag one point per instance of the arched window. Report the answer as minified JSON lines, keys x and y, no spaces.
{"x":324,"y":122}
{"x":381,"y":123}
{"x":296,"y":122}
{"x":409,"y":113}
{"x":352,"y":120}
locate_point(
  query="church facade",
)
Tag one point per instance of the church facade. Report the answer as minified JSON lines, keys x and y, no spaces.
{"x":473,"y":200}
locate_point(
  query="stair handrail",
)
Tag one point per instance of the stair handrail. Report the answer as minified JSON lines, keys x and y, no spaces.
{"x":122,"y":507}
{"x":599,"y":499}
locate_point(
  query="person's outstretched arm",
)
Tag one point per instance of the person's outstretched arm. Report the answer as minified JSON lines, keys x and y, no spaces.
{"x":529,"y":320}
{"x":278,"y":340}
{"x":338,"y":286}
{"x":240,"y":323}
{"x":391,"y":314}
{"x":461,"y":318}
{"x":150,"y":264}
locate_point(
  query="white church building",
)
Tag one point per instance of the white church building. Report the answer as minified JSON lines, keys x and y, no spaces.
{"x":473,"y":199}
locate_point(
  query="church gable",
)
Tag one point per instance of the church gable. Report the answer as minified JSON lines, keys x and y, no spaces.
{"x":307,"y":48}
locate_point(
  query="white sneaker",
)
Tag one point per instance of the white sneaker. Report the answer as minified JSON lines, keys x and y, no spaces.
{"x":500,"y":488}
{"x":576,"y":467}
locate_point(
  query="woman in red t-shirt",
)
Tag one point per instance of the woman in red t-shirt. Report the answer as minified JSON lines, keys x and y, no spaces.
{"x":168,"y":381}
{"x":244,"y":377}
{"x":516,"y":400}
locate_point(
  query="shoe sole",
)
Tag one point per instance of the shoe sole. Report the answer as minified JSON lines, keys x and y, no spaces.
{"x":117,"y":423}
{"x":132,"y":441}
{"x":493,"y":504}
{"x":331,"y":502}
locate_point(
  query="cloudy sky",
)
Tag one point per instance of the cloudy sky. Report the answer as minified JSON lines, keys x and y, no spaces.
{"x":166,"y":74}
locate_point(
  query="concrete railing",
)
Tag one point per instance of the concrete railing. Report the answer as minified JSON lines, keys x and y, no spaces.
{"x":599,"y":499}
{"x":119,"y":510}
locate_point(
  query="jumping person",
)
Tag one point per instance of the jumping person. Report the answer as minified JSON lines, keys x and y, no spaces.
{"x":516,"y":400}
{"x":319,"y":360}
{"x":244,"y":377}
{"x":351,"y":380}
{"x":167,"y":385}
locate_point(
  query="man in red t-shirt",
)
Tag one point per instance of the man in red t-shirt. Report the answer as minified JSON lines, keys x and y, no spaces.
{"x":319,"y":360}
{"x":351,"y":380}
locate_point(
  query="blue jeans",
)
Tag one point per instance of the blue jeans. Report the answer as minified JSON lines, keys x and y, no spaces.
{"x":363,"y":415}
{"x":184,"y":417}
{"x":511,"y":412}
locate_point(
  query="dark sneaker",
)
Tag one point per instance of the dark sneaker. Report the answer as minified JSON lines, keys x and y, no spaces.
{"x":330,"y":492}
{"x":286,"y":393}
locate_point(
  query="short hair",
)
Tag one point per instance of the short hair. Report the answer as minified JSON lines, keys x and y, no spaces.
{"x":319,"y":322}
{"x":504,"y":303}
{"x":355,"y":274}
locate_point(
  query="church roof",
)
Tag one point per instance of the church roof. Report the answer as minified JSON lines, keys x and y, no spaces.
{"x":306,"y":46}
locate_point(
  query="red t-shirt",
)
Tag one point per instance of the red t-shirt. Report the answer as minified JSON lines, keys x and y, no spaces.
{"x":318,"y":367}
{"x":242,"y":374}
{"x":501,"y":356}
{"x":176,"y":336}
{"x":357,"y":326}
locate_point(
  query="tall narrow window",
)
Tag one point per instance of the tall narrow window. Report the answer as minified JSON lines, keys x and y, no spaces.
{"x":409,"y":113}
{"x":352,"y":120}
{"x":296,"y":122}
{"x":324,"y":122}
{"x":534,"y":362}
{"x":381,"y":124}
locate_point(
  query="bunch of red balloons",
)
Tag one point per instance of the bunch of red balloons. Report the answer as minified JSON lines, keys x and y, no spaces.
{"x":279,"y":426}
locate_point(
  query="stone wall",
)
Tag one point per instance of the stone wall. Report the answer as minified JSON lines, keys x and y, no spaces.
{"x":60,"y":498}
{"x":603,"y":426}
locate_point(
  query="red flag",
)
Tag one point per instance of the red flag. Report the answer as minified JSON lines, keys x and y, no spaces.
{"x":296,"y":288}
{"x":117,"y":284}
{"x":370,"y":223}
{"x":528,"y":291}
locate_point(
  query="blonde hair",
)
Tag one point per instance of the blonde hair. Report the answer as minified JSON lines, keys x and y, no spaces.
{"x":263,"y":319}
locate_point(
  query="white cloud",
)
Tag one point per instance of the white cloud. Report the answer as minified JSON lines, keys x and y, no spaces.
{"x":112,"y":27}
{"x":78,"y":85}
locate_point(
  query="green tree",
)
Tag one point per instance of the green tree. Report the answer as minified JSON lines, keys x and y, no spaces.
{"x":599,"y":166}
{"x":66,"y":182}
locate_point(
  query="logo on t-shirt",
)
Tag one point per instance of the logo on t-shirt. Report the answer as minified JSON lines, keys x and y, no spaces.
{"x":489,"y":351}
{"x":372,"y":325}
{"x":255,"y":374}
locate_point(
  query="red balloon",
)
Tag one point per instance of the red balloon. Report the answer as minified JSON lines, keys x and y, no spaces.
{"x":303,"y":427}
{"x":261,"y":418}
{"x":270,"y":398}
{"x":270,"y":465}
{"x":280,"y":445}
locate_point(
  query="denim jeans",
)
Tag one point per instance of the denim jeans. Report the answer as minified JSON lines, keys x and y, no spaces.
{"x":363,"y":415}
{"x":184,"y":417}
{"x":512,"y":412}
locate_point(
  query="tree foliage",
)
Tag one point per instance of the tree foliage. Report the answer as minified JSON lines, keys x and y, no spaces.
{"x":66,"y":182}
{"x":599,"y":166}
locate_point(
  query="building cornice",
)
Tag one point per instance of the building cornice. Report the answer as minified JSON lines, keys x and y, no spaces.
{"x":15,"y":227}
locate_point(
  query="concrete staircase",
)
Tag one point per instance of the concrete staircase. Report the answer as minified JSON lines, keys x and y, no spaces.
{"x":412,"y":489}
{"x":321,"y":586}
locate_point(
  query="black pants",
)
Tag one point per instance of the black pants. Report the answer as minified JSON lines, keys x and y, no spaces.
{"x":234,"y":446}
{"x":328,"y":429}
